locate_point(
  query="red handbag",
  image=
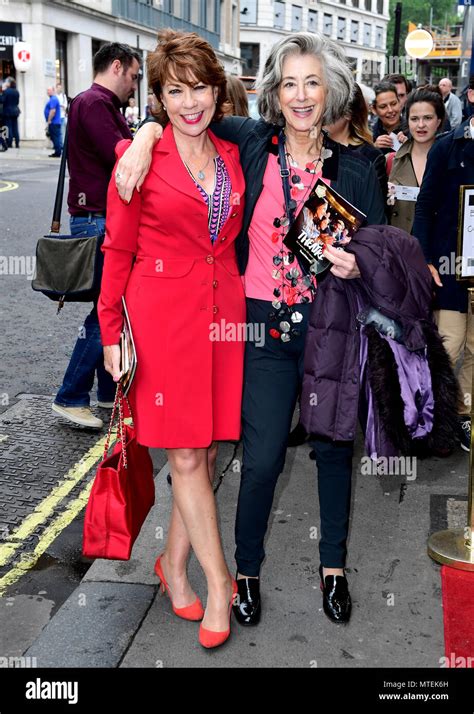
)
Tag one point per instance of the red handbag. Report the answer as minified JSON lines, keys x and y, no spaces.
{"x":122,"y":494}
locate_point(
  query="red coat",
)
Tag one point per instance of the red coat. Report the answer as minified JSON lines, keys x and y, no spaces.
{"x":188,"y":387}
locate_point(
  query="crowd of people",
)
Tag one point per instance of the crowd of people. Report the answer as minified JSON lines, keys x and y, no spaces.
{"x":193,"y":213}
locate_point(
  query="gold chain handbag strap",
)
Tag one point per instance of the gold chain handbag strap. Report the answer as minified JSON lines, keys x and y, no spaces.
{"x":118,"y":402}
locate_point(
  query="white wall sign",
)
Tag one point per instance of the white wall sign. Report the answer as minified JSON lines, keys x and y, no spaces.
{"x":22,"y":56}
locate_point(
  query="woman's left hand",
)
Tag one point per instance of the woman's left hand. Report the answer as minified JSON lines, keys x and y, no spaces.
{"x":344,"y":264}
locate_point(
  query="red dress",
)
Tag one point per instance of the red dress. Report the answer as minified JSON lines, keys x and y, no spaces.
{"x":178,"y":285}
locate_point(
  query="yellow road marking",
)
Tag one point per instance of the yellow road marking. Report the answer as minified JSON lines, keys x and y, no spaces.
{"x":51,"y":502}
{"x":8,"y":186}
{"x":28,"y":560}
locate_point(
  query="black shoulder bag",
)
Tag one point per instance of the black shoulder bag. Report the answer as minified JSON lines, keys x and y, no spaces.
{"x":68,"y":268}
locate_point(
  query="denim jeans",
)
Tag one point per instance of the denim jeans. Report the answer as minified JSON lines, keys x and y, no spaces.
{"x":87,"y":359}
{"x":55,"y":134}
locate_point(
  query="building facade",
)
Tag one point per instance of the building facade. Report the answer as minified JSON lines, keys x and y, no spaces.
{"x":65,"y":34}
{"x":359,"y":26}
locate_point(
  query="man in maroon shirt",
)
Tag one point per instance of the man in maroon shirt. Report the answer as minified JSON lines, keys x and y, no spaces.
{"x":95,"y":125}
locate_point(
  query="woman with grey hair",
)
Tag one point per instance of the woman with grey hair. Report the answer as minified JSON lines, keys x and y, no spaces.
{"x":305,"y":83}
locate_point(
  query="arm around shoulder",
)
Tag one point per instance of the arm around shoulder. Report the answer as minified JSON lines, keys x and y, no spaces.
{"x":119,"y":248}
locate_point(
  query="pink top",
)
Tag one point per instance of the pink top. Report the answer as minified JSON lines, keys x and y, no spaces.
{"x":262,"y":276}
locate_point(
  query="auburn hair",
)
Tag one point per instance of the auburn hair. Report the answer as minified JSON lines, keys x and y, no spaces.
{"x":359,"y":131}
{"x":187,"y":58}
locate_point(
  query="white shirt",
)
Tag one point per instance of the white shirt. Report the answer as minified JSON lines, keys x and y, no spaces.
{"x":62,"y":103}
{"x":471,"y":127}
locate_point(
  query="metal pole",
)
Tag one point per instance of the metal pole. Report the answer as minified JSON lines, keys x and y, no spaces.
{"x":139,"y":88}
{"x":396,"y":34}
{"x":470,"y":27}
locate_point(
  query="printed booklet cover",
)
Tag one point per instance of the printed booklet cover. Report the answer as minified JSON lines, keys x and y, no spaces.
{"x":326,"y":218}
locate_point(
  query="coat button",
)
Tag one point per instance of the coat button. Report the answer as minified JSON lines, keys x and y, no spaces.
{"x":215,"y":309}
{"x":215,"y":283}
{"x":233,"y":215}
{"x":224,"y":237}
{"x":210,"y":259}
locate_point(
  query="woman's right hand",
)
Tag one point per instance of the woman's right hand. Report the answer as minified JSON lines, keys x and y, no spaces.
{"x":435,"y":275}
{"x":384,"y":141}
{"x":135,"y":163}
{"x":112,"y":361}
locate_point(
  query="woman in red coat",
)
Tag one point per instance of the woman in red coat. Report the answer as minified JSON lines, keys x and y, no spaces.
{"x":171,"y":253}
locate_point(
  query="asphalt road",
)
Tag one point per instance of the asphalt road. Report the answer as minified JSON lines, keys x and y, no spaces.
{"x":36,"y":343}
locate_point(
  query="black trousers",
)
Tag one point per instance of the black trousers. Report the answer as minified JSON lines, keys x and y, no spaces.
{"x":272,"y":380}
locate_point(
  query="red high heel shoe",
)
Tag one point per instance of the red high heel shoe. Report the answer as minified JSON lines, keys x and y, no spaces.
{"x":209,"y":638}
{"x":193,"y":612}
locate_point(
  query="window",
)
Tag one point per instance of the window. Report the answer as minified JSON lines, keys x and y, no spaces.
{"x":250,"y":55}
{"x":354,"y":31}
{"x":380,"y":7}
{"x":248,"y":12}
{"x":296,"y":18}
{"x":341,"y":28}
{"x":186,"y":9}
{"x":343,"y":2}
{"x":279,"y":15}
{"x":368,"y":5}
{"x":367,"y":34}
{"x":327,"y":25}
{"x":312,"y":20}
{"x":210,"y":16}
{"x":379,"y":38}
{"x":355,"y":3}
{"x":61,"y":59}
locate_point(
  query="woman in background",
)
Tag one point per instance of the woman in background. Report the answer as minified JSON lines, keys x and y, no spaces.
{"x":352,"y":130}
{"x":426,"y":115}
{"x":236,"y":97}
{"x":389,"y":123}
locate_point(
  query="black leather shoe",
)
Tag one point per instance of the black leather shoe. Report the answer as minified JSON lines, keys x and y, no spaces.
{"x":298,"y":436}
{"x":247,"y":606}
{"x":336,"y":598}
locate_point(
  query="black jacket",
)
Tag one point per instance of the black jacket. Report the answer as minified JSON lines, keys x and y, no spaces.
{"x":11,"y":100}
{"x":450,"y":165}
{"x":350,"y":173}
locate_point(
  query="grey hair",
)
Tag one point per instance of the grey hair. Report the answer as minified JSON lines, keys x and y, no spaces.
{"x":338,"y":76}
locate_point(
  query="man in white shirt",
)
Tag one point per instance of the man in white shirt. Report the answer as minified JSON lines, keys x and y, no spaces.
{"x":63,"y":104}
{"x":452,"y":103}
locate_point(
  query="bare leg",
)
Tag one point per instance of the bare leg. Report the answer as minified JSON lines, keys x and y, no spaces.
{"x":175,"y":556}
{"x":196,"y":504}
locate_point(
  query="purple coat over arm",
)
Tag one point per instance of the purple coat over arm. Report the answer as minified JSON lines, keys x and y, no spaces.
{"x":394,"y":279}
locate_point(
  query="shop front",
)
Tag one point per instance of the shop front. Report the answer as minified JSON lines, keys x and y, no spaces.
{"x":10,"y":32}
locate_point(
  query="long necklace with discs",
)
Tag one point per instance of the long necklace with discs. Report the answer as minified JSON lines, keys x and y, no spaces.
{"x":294,"y":286}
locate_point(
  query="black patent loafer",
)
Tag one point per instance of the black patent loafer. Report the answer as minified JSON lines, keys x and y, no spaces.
{"x":336,"y":597}
{"x":247,"y":606}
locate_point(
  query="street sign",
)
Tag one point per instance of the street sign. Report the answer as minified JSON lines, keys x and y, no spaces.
{"x":419,"y":44}
{"x":22,"y":56}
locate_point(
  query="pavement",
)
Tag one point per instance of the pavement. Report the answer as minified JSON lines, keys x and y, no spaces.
{"x":115,"y":616}
{"x":28,"y":152}
{"x":61,"y":609}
